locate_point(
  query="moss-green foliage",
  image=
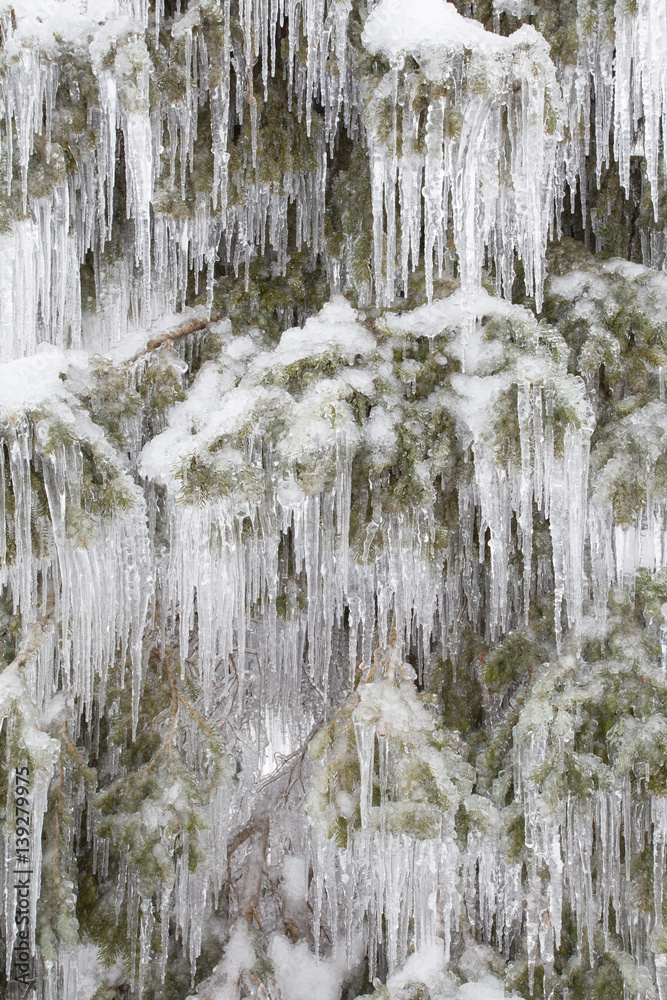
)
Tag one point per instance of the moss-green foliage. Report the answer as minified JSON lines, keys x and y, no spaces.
{"x":599,"y":720}
{"x":519,"y":335}
{"x":613,"y":976}
{"x":651,"y":594}
{"x":558,"y":23}
{"x":103,"y":489}
{"x":629,"y":465}
{"x":273,"y":301}
{"x":460,"y":701}
{"x":619,"y":339}
{"x":334,"y":750}
{"x":610,"y":698}
{"x":72,"y":134}
{"x":100,"y":488}
{"x":160,"y":385}
{"x":10,"y":630}
{"x":599,"y":715}
{"x":412,"y":990}
{"x":112,"y":399}
{"x":574,"y":980}
{"x":203,"y":479}
{"x":426,"y":464}
{"x":349,"y":220}
{"x":514,"y":659}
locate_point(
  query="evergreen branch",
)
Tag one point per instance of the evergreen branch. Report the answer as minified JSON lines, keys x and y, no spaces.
{"x":74,"y":750}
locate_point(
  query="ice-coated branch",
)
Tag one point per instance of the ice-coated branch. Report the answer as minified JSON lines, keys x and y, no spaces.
{"x":35,"y":637}
{"x":171,"y":336}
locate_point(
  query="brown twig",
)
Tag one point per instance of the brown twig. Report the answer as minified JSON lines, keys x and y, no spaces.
{"x":169,"y":336}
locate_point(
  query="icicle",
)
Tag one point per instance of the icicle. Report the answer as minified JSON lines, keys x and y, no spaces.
{"x":139,"y":170}
{"x":527,"y":489}
{"x":365,"y":736}
{"x":145,"y":930}
{"x":640,"y":86}
{"x":106,"y":160}
{"x":40,"y":281}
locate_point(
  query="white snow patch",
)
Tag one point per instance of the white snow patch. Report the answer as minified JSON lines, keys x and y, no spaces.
{"x":300,"y":976}
{"x":29,"y":382}
{"x":489,"y":988}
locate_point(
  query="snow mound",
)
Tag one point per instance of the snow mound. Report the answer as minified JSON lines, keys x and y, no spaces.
{"x":431,"y":30}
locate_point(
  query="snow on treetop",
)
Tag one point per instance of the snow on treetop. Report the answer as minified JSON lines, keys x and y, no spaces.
{"x":222,"y":403}
{"x":333,"y":330}
{"x":432,"y":29}
{"x":45,"y":23}
{"x":30,"y":382}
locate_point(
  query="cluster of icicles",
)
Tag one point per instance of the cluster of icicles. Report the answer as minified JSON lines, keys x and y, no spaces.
{"x":625,"y":70}
{"x":502,"y":171}
{"x":99,"y":592}
{"x":95,"y":596}
{"x":42,"y":255}
{"x":236,"y":580}
{"x":489,"y":154}
{"x":225,"y":582}
{"x":396,"y":893}
{"x":225,"y":575}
